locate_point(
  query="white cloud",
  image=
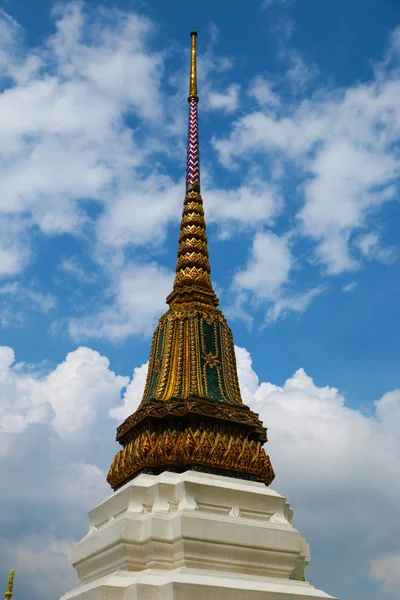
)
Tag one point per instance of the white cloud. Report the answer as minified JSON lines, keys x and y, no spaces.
{"x":342,"y":144}
{"x":62,"y":130}
{"x":42,"y":560}
{"x":141,"y":215}
{"x":139,"y":294}
{"x":349,"y":287}
{"x":14,"y":247}
{"x":269,"y":266}
{"x":133,"y":394}
{"x":228,"y":101}
{"x":299,"y":74}
{"x":387,"y":570}
{"x":370,"y":246}
{"x":267,"y":278}
{"x":66,"y":147}
{"x":292,"y":302}
{"x":55,"y":441}
{"x":18,"y":293}
{"x":72,"y":267}
{"x":262,"y":91}
{"x":254,"y":203}
{"x":337,"y":467}
{"x":70,"y":398}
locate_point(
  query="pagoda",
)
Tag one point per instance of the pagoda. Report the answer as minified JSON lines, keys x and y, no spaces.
{"x":192,"y":516}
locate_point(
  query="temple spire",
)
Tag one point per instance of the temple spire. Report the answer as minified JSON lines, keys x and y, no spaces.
{"x":192,"y":280}
{"x":192,"y":415}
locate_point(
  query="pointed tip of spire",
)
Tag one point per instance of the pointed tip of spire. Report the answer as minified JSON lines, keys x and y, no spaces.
{"x":193,"y":69}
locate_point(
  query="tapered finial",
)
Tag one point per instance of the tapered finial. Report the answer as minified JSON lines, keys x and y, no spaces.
{"x":193,"y":70}
{"x":9,"y":590}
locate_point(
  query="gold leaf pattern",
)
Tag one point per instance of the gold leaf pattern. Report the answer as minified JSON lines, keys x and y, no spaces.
{"x":209,"y":446}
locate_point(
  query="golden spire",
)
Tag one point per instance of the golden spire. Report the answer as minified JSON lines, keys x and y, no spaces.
{"x":191,"y":415}
{"x":9,"y":592}
{"x":193,"y":70}
{"x":192,"y":280}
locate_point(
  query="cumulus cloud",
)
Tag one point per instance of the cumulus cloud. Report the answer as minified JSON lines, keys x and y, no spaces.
{"x":267,"y":277}
{"x":62,"y":120}
{"x":254,"y":203}
{"x":337,"y":466}
{"x":140,"y":216}
{"x":387,"y":570}
{"x":133,"y":394}
{"x":56,"y":399}
{"x":227,"y":101}
{"x":139,"y":293}
{"x":269,"y":266}
{"x":72,"y":165}
{"x":343,"y":145}
{"x":14,"y":247}
{"x":53,"y":457}
{"x":262,"y":91}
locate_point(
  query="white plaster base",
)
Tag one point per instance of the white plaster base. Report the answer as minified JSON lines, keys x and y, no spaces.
{"x":192,"y":536}
{"x":193,"y":584}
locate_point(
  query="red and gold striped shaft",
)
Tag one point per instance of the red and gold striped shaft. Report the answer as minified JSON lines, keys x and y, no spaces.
{"x":193,"y":156}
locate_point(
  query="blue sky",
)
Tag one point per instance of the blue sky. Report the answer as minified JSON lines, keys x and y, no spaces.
{"x":299,"y":138}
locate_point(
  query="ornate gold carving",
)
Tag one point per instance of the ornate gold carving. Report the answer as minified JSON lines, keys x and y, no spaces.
{"x":192,"y":293}
{"x":157,"y":366}
{"x":190,"y":231}
{"x":211,"y":360}
{"x":193,"y":218}
{"x":175,"y":368}
{"x":193,"y":268}
{"x":215,"y":446}
{"x":193,"y":244}
{"x":176,"y":407}
{"x":193,"y":195}
{"x":193,"y":275}
{"x":193,"y":259}
{"x":193,"y":206}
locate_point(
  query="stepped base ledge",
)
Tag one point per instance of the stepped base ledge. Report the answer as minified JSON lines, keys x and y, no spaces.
{"x":192,"y":536}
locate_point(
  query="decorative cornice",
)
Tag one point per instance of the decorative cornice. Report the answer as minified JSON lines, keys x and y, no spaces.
{"x":215,"y":448}
{"x":156,"y":410}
